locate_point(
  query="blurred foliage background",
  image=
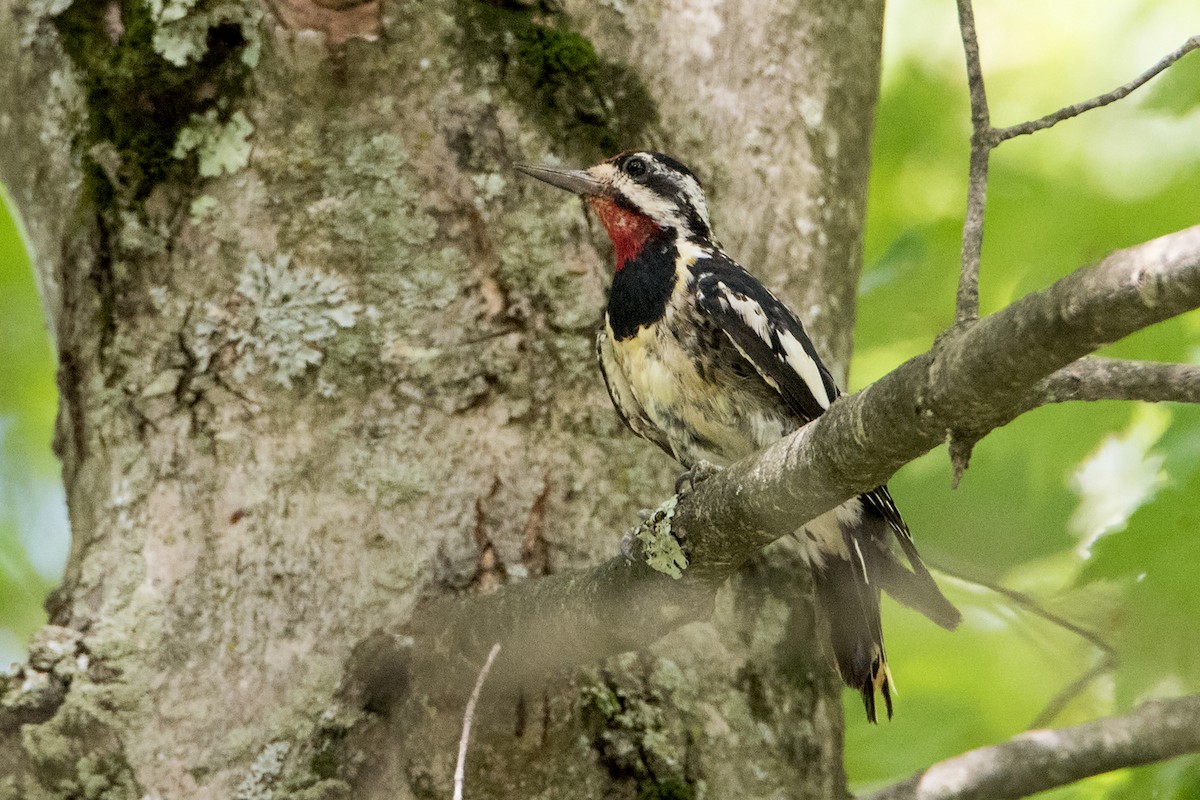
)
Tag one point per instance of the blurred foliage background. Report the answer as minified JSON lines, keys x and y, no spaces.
{"x":33,"y":525}
{"x":1088,"y":511}
{"x":1091,"y":510}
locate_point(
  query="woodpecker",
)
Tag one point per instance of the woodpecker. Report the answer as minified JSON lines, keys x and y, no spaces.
{"x":704,"y":361}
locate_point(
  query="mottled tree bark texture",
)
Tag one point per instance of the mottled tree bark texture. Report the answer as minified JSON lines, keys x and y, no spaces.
{"x":325,"y":360}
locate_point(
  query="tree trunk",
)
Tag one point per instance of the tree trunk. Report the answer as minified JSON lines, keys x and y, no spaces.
{"x":324,"y":356}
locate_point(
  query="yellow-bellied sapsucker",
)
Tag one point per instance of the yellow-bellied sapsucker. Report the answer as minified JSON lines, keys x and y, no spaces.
{"x":701,"y":359}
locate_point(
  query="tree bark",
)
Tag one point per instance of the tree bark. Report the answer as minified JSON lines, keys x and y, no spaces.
{"x":323,"y":358}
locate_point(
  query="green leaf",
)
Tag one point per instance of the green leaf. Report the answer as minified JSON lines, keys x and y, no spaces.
{"x":1157,"y":557}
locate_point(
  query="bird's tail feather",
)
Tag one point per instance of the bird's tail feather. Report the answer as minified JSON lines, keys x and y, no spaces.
{"x":916,"y":588}
{"x":878,"y":525}
{"x":849,"y":606}
{"x":848,"y":593}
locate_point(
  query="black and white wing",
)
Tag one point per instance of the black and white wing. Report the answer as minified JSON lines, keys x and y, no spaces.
{"x":770,"y":337}
{"x":766,"y":333}
{"x":627,"y":406}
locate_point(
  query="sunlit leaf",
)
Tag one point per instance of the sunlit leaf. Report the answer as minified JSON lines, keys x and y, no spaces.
{"x":1156,"y":556}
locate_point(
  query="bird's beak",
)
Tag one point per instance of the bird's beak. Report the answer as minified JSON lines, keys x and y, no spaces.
{"x":573,"y":180}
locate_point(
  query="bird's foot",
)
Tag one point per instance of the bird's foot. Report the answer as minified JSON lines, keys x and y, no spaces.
{"x":628,"y":545}
{"x":697,"y":474}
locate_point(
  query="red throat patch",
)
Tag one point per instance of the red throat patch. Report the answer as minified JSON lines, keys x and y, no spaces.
{"x":628,"y":230}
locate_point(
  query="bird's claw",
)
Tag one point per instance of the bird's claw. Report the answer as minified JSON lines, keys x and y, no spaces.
{"x":628,"y":542}
{"x":697,"y":474}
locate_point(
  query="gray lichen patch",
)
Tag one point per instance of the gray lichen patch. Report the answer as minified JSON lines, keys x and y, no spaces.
{"x":220,"y":146}
{"x":181,"y":28}
{"x":532,"y":266}
{"x":260,"y":781}
{"x":35,"y":689}
{"x":278,"y":323}
{"x":641,"y":711}
{"x":84,"y":756}
{"x":660,"y":548}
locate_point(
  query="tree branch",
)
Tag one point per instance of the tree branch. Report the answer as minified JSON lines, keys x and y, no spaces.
{"x":985,"y":138}
{"x":1050,"y":120}
{"x":1043,"y":759}
{"x":974,"y":379}
{"x":982,"y":143}
{"x":1093,"y":378}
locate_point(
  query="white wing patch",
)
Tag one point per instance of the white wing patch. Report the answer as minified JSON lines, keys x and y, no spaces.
{"x":750,"y":312}
{"x":794,"y":354}
{"x":804,"y":366}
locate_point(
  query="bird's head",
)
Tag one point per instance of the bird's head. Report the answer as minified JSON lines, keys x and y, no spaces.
{"x":637,"y":195}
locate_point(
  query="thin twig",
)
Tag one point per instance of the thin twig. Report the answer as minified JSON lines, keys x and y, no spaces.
{"x":982,"y":142}
{"x":460,"y":770}
{"x":1065,"y":695}
{"x":1050,"y":120}
{"x":985,"y":138}
{"x":1059,"y":701}
{"x":1030,"y":604}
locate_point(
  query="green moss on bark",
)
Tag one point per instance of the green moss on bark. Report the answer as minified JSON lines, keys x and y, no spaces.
{"x":587,"y":104}
{"x":138,"y":99}
{"x":638,"y":713}
{"x":76,"y":755}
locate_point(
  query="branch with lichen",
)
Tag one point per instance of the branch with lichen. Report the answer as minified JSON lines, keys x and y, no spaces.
{"x":975,"y":379}
{"x":1039,"y":760}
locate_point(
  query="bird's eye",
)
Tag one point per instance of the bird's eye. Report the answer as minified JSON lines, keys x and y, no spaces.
{"x":636,"y":167}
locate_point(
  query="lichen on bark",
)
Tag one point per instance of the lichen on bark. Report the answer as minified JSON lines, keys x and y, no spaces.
{"x":586,"y":104}
{"x":237,"y":534}
{"x":146,"y":70}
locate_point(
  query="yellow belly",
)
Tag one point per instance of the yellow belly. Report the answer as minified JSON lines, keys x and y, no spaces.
{"x":702,"y":420}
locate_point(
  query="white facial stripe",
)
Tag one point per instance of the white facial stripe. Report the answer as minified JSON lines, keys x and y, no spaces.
{"x":695,"y":196}
{"x":804,"y":366}
{"x":658,"y":208}
{"x":655,"y":207}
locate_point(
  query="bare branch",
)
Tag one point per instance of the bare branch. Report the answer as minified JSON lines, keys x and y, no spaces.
{"x":1050,"y":120}
{"x":982,"y":142}
{"x":1030,"y":604}
{"x":1108,"y":654}
{"x":1094,"y":378}
{"x":976,"y":378}
{"x":1064,"y":696}
{"x":1043,"y":759}
{"x":460,"y":769}
{"x":985,"y":138}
